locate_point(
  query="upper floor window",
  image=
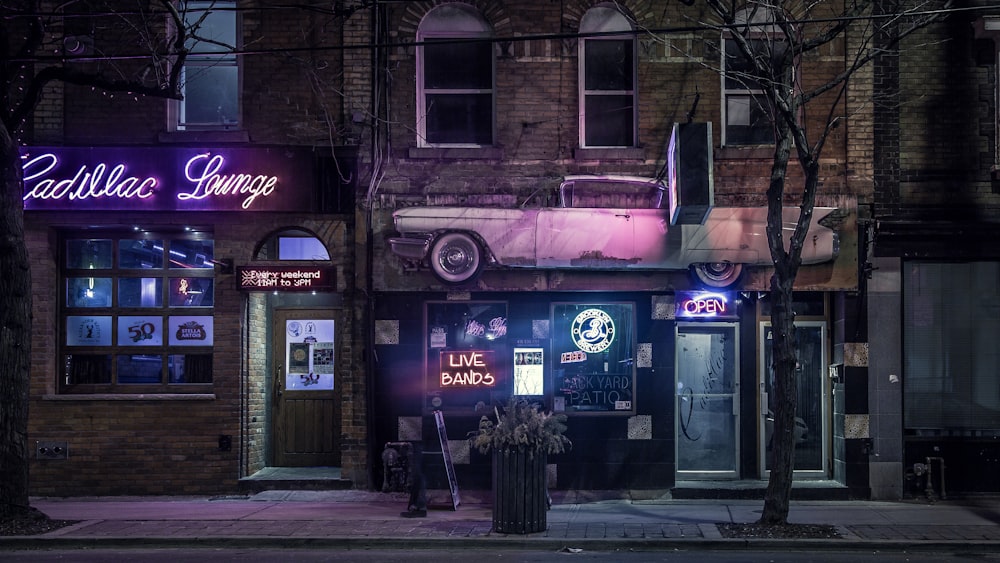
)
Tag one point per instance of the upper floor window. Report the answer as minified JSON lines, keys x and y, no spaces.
{"x":454,"y":78}
{"x":608,"y":108}
{"x":210,"y":78}
{"x":988,"y":27}
{"x":137,"y":312}
{"x":744,"y":106}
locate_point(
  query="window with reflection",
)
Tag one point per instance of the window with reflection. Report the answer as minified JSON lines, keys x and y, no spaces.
{"x":137,"y":312}
{"x":292,"y":244}
{"x":607,"y":79}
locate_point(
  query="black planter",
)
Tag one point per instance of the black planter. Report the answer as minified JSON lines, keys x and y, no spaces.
{"x":520,"y":502}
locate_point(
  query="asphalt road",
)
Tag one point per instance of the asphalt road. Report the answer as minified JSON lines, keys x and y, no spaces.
{"x":458,"y":555}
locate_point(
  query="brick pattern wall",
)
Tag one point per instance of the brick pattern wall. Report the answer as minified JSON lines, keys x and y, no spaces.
{"x":169,"y":444}
{"x":537,"y":103}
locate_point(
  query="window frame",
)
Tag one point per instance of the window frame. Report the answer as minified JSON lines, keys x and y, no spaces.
{"x":471,"y":26}
{"x":949,"y":358}
{"x":758,"y":26}
{"x":600,"y":18}
{"x":177,"y":109}
{"x":166,"y":350}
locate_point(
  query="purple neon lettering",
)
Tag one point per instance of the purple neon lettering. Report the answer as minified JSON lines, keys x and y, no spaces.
{"x":84,"y":183}
{"x":208,"y":182}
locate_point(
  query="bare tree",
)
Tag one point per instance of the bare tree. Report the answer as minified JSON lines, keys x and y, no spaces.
{"x":778,"y":42}
{"x":130,"y":47}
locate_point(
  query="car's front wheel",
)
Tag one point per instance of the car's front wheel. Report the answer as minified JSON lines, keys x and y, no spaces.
{"x":456,"y":258}
{"x":718,"y":274}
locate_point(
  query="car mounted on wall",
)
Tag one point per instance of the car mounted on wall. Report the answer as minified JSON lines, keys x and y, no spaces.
{"x":600,"y":223}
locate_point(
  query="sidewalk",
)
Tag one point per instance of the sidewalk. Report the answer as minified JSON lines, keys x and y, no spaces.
{"x":360,"y":518}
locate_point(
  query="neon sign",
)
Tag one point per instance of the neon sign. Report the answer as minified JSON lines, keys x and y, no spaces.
{"x":84,"y":184}
{"x":704,"y":305}
{"x":208,"y":182}
{"x":285,"y":278}
{"x":467,"y":368}
{"x":593,"y":331}
{"x":168,"y":179}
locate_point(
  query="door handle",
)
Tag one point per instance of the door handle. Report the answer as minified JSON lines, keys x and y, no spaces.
{"x":277,"y":382}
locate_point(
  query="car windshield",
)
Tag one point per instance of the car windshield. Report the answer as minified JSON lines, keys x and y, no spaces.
{"x":603,"y":193}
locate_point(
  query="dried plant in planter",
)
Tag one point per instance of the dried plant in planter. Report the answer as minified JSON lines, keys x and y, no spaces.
{"x":522,"y":426}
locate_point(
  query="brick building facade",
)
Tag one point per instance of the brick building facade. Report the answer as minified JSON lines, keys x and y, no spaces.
{"x":353,"y":95}
{"x":932,"y":379}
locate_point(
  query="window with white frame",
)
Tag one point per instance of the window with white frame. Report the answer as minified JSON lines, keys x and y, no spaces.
{"x":744,"y":106}
{"x":210,"y":77}
{"x":608,"y":108}
{"x":455,"y":89}
{"x":137,"y":312}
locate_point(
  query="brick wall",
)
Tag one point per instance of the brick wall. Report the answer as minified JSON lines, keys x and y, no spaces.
{"x":169,"y":444}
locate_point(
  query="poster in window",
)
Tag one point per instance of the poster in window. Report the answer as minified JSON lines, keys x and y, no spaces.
{"x":186,"y":330}
{"x":298,"y":357}
{"x":309,"y":354}
{"x":593,"y":368}
{"x":84,"y":330}
{"x":529,"y":370}
{"x":140,"y":331}
{"x":323,"y":357}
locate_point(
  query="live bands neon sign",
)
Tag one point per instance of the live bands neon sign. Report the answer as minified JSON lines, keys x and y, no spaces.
{"x":167,"y":178}
{"x":705,"y":305}
{"x":467,"y":368}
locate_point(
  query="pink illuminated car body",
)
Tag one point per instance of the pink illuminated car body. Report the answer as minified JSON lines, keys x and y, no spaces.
{"x":600,"y":223}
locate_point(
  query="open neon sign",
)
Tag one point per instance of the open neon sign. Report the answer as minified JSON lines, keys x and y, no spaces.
{"x":704,"y":305}
{"x":168,"y":178}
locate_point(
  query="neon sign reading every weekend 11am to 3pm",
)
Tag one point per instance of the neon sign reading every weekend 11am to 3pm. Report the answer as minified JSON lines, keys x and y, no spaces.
{"x":215,"y":181}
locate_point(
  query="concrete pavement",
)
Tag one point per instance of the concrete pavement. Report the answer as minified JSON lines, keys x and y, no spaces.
{"x":360,"y":518}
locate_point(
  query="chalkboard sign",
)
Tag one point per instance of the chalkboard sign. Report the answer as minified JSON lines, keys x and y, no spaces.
{"x":593,"y":367}
{"x":449,"y":467}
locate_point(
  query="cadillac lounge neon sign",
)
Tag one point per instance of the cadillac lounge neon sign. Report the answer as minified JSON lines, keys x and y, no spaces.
{"x":167,"y":178}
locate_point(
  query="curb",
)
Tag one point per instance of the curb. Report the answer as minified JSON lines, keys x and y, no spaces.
{"x":13,"y":543}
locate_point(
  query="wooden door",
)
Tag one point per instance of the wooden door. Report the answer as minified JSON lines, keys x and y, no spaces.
{"x":305,"y":391}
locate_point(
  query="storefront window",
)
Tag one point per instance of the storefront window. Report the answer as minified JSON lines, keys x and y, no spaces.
{"x":466,"y":355}
{"x":138,"y":326}
{"x":592,"y":357}
{"x":951,"y":357}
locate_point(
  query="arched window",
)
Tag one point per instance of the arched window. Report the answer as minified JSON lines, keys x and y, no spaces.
{"x":454,"y":78}
{"x":608,"y":108}
{"x":292,"y":244}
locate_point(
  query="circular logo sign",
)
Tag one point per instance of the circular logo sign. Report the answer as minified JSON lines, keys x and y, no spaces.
{"x":593,"y":331}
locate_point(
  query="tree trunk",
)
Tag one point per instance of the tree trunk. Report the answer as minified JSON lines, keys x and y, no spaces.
{"x":779,"y":485}
{"x":15,"y":335}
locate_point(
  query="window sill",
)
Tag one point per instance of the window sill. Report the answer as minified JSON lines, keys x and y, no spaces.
{"x":483,"y":153}
{"x":623,"y":153}
{"x":131,"y":397}
{"x":233,"y":136}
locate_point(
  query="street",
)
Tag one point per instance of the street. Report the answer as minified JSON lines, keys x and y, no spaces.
{"x":458,"y":554}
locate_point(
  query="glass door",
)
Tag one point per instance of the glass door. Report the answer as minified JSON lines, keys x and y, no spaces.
{"x":812,"y":414}
{"x":707,"y":405}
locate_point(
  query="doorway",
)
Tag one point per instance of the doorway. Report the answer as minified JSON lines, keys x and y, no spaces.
{"x":305,"y":396}
{"x":707,"y":401}
{"x":812,"y":412}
